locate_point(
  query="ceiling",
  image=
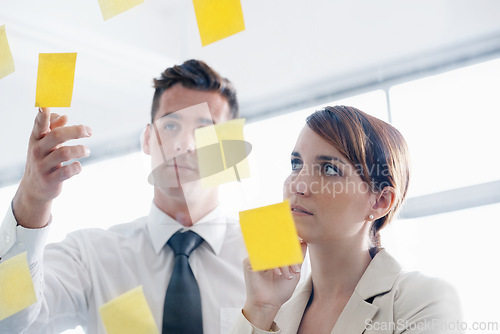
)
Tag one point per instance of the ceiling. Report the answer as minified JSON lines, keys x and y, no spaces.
{"x":291,"y":53}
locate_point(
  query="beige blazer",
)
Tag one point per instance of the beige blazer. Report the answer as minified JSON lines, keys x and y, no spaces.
{"x":386,"y":300}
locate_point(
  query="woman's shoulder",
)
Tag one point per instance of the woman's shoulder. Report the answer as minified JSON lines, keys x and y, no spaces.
{"x":422,"y":297}
{"x":415,"y":283}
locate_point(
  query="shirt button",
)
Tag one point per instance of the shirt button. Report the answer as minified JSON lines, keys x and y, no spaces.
{"x":7,"y":239}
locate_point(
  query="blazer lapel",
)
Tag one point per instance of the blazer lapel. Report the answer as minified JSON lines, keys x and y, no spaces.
{"x":355,"y":316}
{"x":290,"y":314}
{"x":379,"y":277}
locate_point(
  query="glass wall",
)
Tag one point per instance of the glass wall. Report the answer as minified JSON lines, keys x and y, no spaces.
{"x":450,"y":121}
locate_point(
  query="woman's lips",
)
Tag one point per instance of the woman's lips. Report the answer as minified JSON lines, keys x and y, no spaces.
{"x":298,"y":210}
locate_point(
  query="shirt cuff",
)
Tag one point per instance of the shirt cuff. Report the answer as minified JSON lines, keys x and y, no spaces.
{"x":15,"y":239}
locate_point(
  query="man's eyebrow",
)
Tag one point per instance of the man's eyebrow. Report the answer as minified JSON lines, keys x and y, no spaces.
{"x":204,"y":120}
{"x":330,"y":158}
{"x":171,"y":115}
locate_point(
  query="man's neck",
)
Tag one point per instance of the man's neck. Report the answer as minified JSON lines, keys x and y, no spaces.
{"x":187,"y":210}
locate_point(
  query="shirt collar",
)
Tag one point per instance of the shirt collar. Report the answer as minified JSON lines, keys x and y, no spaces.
{"x":212,"y":228}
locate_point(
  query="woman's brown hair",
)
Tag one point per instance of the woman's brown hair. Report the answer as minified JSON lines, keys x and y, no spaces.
{"x":374,"y":147}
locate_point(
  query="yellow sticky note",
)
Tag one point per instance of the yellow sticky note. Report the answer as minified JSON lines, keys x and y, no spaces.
{"x":222,"y":153}
{"x":218,"y":19}
{"x":270,"y":236}
{"x":128,"y":314}
{"x":16,"y":286}
{"x":110,"y":8}
{"x":56,"y":74}
{"x":6,"y":60}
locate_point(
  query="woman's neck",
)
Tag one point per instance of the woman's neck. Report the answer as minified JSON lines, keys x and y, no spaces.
{"x":336,"y":269}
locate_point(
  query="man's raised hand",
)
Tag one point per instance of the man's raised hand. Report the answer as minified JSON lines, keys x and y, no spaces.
{"x":45,"y":173}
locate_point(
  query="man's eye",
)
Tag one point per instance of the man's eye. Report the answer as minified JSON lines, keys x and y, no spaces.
{"x":331,"y":170}
{"x":170,"y":126}
{"x":296,"y":164}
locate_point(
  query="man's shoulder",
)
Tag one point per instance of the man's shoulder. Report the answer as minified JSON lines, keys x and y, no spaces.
{"x":130,"y":228}
{"x":124,"y":230}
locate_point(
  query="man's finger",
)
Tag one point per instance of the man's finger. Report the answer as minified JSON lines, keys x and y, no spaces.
{"x":63,"y":134}
{"x":57,"y":121}
{"x":42,"y":124}
{"x":63,"y":154}
{"x":65,"y":172}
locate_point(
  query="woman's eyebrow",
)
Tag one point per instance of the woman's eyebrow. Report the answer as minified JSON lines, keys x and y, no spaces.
{"x":330,"y":158}
{"x":296,"y":154}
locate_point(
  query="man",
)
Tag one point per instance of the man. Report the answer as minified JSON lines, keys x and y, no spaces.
{"x":90,"y":268}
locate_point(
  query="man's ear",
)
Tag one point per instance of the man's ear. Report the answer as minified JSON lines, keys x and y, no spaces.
{"x":145,"y":143}
{"x":384,"y":202}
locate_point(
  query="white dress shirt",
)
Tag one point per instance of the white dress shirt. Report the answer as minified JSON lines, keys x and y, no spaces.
{"x":91,"y":267}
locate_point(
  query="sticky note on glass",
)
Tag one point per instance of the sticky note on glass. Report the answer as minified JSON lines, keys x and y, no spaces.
{"x":270,"y":236}
{"x":6,"y":60}
{"x":128,"y":314}
{"x":218,"y":19}
{"x":56,"y":74}
{"x":16,"y":286}
{"x":110,"y":8}
{"x":222,"y":153}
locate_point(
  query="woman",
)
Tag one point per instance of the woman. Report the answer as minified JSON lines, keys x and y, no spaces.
{"x":350,"y":174}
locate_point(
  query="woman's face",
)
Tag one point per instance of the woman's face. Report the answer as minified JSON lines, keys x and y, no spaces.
{"x":329,"y":200}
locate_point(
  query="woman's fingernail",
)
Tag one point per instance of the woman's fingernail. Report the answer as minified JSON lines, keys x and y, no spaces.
{"x":40,"y":110}
{"x":87,"y":151}
{"x":296,"y":268}
{"x":88,"y":131}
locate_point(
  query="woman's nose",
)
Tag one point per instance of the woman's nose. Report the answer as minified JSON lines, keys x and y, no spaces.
{"x":300,"y":184}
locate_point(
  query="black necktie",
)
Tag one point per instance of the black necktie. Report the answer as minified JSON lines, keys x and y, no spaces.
{"x":182,"y":309}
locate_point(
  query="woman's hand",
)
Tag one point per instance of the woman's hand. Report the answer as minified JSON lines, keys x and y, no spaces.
{"x":267,"y":291}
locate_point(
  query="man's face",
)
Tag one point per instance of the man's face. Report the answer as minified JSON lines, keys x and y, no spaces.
{"x":170,"y":139}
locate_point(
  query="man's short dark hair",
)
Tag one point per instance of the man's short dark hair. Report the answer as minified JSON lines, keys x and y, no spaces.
{"x":194,"y":74}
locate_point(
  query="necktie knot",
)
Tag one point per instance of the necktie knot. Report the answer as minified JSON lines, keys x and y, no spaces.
{"x":184,"y":243}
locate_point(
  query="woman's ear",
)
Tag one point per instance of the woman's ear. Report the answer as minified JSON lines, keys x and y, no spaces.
{"x":145,"y":143}
{"x":384,"y":202}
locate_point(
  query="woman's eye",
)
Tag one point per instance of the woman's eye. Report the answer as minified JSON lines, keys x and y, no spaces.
{"x":296,"y":164}
{"x":331,"y":170}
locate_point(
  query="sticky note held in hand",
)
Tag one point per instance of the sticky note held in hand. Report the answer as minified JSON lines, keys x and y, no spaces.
{"x":16,"y":286}
{"x":270,"y":236}
{"x":56,"y":74}
{"x":111,"y":8}
{"x":222,"y":153}
{"x":6,"y":60}
{"x":128,"y":314}
{"x":218,"y":19}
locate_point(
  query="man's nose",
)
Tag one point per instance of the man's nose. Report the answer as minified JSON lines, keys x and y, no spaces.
{"x":185,"y":143}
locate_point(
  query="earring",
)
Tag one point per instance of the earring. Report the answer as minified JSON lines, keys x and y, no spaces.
{"x":370,"y":217}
